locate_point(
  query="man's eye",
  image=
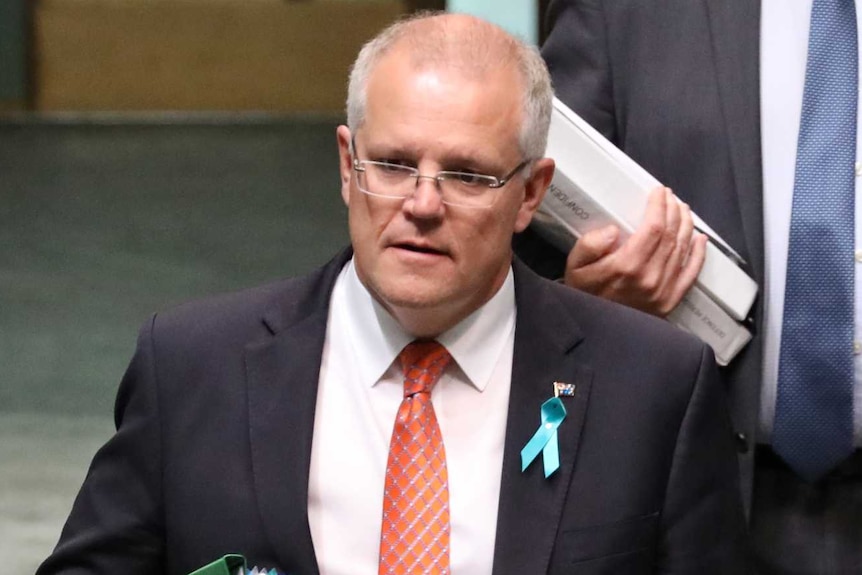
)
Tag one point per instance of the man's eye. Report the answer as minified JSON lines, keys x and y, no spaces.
{"x":387,"y":167}
{"x":468,"y":179}
{"x":394,"y":162}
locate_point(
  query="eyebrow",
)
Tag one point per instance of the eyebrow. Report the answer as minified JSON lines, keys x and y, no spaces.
{"x":452,"y":161}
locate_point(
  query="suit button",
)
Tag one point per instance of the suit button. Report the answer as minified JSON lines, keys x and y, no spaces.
{"x":741,"y":443}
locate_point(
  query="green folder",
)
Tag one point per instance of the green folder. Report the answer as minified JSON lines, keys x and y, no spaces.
{"x":227,"y":565}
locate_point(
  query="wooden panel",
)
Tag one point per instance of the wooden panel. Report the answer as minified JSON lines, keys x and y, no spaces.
{"x":12,"y":106}
{"x":200,"y":54}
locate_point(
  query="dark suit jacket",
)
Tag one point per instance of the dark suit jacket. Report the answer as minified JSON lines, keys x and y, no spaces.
{"x":676,"y":85}
{"x":215,"y":417}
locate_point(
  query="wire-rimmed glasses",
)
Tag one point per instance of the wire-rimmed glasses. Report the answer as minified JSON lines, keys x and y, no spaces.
{"x":465,"y":189}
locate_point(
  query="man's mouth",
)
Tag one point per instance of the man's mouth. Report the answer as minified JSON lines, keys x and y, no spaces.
{"x":421,"y":249}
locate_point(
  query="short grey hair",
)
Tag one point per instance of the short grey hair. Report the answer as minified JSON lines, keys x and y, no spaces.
{"x":474,"y":46}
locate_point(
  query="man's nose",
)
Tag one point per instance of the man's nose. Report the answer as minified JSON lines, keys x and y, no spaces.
{"x":426,"y":201}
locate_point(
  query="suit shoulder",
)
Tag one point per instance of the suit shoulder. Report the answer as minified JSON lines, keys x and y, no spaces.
{"x":243,"y":314}
{"x":626,"y":329}
{"x":230,"y":307}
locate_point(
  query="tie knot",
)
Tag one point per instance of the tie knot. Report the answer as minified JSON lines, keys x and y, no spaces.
{"x":422,"y":363}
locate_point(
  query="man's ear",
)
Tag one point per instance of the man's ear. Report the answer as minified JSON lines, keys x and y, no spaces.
{"x":345,"y":161}
{"x":534,"y":191}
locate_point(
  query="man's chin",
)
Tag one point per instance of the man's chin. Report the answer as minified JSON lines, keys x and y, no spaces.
{"x":412,"y":300}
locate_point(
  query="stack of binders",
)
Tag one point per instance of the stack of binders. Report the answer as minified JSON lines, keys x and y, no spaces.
{"x":596,"y":184}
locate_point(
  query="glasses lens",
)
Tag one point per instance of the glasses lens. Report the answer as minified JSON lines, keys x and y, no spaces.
{"x":397,"y":181}
{"x":465,"y":189}
{"x":382,"y":179}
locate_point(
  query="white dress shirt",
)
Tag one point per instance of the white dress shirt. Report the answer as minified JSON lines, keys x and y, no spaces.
{"x":783,"y":56}
{"x":360,"y":389}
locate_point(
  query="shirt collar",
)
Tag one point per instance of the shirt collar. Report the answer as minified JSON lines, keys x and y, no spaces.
{"x":475,"y":343}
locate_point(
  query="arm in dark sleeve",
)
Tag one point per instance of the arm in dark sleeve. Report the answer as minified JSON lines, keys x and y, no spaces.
{"x":703,"y":530}
{"x":116,"y":522}
{"x":576,"y":52}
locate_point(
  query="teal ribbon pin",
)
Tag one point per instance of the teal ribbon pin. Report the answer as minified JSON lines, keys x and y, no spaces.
{"x":545,"y":441}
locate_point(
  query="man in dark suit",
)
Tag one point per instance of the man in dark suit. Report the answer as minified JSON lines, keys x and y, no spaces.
{"x":706,"y":96}
{"x":260,"y":422}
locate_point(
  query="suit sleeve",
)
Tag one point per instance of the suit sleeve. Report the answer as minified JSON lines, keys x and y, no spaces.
{"x":115,"y":524}
{"x":576,"y":52}
{"x":703,"y":530}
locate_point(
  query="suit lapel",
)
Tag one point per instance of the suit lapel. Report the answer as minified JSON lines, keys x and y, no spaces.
{"x":282,"y":373}
{"x":530,"y":505}
{"x":735,"y":37}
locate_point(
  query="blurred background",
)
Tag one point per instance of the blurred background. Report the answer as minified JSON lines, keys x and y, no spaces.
{"x":154,"y":151}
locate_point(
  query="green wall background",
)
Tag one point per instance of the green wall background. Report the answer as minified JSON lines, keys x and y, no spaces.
{"x":13,"y":51}
{"x":102,"y":224}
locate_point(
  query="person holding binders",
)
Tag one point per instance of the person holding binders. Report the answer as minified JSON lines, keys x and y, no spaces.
{"x":423,"y":403}
{"x":749,"y":111}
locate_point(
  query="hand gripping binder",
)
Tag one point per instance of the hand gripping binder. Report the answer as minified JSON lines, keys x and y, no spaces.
{"x":596,"y":184}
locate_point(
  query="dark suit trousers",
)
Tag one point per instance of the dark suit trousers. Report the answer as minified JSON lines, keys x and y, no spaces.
{"x":801,"y":528}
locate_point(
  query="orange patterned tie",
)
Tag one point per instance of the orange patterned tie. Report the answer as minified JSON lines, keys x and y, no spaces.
{"x":415,"y":534}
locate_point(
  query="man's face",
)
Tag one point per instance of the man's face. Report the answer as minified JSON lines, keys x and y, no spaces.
{"x":431,"y":264}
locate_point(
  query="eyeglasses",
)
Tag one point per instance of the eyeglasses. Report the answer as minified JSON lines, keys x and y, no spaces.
{"x":456,"y":188}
